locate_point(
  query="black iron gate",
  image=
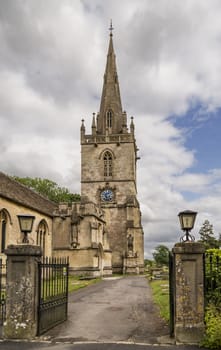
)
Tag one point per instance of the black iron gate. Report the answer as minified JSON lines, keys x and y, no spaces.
{"x":53,"y":293}
{"x":172,"y":292}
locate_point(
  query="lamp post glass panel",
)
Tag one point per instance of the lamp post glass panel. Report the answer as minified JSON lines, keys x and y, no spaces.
{"x":187,"y":221}
{"x":26,"y":224}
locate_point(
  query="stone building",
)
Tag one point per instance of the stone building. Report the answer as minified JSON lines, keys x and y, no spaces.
{"x":80,"y":233}
{"x":16,"y":199}
{"x":108,"y":173}
{"x":102,"y":233}
{"x":75,"y":230}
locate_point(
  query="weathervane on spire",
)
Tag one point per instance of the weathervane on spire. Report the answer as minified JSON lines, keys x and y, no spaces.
{"x":111,"y":28}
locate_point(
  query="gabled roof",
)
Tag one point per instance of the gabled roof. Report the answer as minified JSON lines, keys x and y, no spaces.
{"x":20,"y":194}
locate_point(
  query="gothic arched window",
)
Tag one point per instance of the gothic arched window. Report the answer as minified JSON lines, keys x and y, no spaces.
{"x":109,"y":118}
{"x":41,"y":235}
{"x":3,"y":227}
{"x":107,"y":164}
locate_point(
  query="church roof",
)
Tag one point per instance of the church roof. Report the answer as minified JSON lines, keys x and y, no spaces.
{"x":20,"y":194}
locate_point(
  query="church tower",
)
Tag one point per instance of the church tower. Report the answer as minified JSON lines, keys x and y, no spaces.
{"x":108,"y":172}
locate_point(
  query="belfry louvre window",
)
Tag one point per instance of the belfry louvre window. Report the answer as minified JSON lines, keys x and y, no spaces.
{"x":107,"y":164}
{"x":109,"y":118}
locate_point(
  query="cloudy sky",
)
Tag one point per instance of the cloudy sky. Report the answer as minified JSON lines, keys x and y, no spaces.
{"x":52,"y":61}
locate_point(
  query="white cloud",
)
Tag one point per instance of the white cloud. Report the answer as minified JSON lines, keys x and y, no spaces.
{"x":168,"y":56}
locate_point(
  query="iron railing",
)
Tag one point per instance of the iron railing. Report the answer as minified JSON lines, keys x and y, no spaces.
{"x":171,"y":292}
{"x":213,"y":278}
{"x":53,"y":293}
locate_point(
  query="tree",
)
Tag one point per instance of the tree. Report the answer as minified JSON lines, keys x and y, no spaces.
{"x":49,"y":189}
{"x":207,"y":236}
{"x":161,"y":255}
{"x":148,"y":262}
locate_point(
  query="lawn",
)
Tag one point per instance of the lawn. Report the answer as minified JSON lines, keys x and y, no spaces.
{"x":57,"y":286}
{"x":160,"y":290}
{"x":75,"y":283}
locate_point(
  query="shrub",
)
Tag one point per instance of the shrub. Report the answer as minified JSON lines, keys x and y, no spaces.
{"x":212,"y":339}
{"x":213,"y":276}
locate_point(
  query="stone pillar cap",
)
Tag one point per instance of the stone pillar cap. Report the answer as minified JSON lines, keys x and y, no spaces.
{"x":189,"y":248}
{"x":24,"y":249}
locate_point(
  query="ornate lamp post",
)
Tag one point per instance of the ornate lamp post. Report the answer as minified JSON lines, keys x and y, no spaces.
{"x":187,"y":221}
{"x":26,"y":224}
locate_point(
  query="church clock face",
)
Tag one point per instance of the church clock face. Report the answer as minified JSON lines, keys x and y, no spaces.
{"x":107,"y":195}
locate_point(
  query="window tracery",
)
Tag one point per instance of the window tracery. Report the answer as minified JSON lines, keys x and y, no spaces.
{"x":41,"y":235}
{"x":108,"y":164}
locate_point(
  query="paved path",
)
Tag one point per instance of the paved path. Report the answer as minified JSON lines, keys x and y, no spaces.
{"x":62,"y":346}
{"x":116,"y":314}
{"x":111,"y":311}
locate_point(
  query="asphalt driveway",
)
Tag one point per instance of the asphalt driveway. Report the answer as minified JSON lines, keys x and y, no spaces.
{"x":115,"y":314}
{"x":114,"y":310}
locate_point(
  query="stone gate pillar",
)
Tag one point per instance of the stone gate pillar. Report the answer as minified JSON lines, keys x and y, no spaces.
{"x":22,"y":291}
{"x":189,"y":292}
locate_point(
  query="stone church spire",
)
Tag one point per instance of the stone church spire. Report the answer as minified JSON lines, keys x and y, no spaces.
{"x":111,"y":115}
{"x":108,"y":178}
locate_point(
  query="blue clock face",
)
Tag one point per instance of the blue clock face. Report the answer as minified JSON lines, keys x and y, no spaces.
{"x":107,"y":195}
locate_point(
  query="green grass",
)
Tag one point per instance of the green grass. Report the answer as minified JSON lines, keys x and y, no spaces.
{"x":56,"y":286}
{"x":75,"y":283}
{"x":160,"y":290}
